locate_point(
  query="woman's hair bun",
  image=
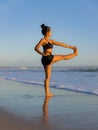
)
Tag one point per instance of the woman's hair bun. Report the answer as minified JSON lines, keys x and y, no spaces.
{"x":43,"y":25}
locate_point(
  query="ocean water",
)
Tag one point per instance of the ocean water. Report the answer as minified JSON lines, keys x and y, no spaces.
{"x":79,"y":79}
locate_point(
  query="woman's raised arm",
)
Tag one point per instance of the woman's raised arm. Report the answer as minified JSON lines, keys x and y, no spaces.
{"x":62,"y":44}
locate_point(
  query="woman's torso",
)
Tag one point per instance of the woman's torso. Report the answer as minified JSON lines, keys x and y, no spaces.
{"x":47,"y":47}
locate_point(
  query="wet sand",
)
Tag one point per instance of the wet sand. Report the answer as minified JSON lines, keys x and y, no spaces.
{"x":24,"y":107}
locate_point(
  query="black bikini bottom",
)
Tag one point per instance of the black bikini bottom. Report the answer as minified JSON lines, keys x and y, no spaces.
{"x":46,"y":60}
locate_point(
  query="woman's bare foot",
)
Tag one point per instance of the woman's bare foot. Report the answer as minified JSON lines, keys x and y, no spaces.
{"x":49,"y":95}
{"x":75,"y":51}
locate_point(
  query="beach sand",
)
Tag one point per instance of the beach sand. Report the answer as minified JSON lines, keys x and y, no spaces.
{"x":24,"y":107}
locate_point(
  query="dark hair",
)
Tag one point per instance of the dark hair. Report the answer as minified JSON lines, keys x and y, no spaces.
{"x":45,"y":29}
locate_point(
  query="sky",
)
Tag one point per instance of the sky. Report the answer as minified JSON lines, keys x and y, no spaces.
{"x":74,"y":22}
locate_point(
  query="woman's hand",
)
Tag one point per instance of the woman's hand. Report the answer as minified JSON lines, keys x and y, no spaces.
{"x":44,"y":54}
{"x":72,"y":47}
{"x":75,"y":49}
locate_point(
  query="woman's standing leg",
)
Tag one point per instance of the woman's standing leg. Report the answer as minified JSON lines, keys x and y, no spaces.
{"x":47,"y":69}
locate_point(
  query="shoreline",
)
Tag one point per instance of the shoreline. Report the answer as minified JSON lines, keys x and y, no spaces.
{"x":24,"y":106}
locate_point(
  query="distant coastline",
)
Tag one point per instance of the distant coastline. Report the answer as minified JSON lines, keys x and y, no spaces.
{"x":65,"y":68}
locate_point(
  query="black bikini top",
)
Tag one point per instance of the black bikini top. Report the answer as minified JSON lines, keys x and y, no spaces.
{"x":48,"y":46}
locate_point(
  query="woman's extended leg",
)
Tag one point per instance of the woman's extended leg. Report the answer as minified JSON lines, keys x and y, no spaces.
{"x":47,"y":69}
{"x":64,"y":57}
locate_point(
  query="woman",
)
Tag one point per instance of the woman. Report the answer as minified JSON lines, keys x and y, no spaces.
{"x":47,"y":58}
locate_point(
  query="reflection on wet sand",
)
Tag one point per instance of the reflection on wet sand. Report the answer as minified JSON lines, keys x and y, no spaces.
{"x":45,"y":108}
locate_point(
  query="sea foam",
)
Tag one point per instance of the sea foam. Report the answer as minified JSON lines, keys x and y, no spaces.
{"x":80,"y":79}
